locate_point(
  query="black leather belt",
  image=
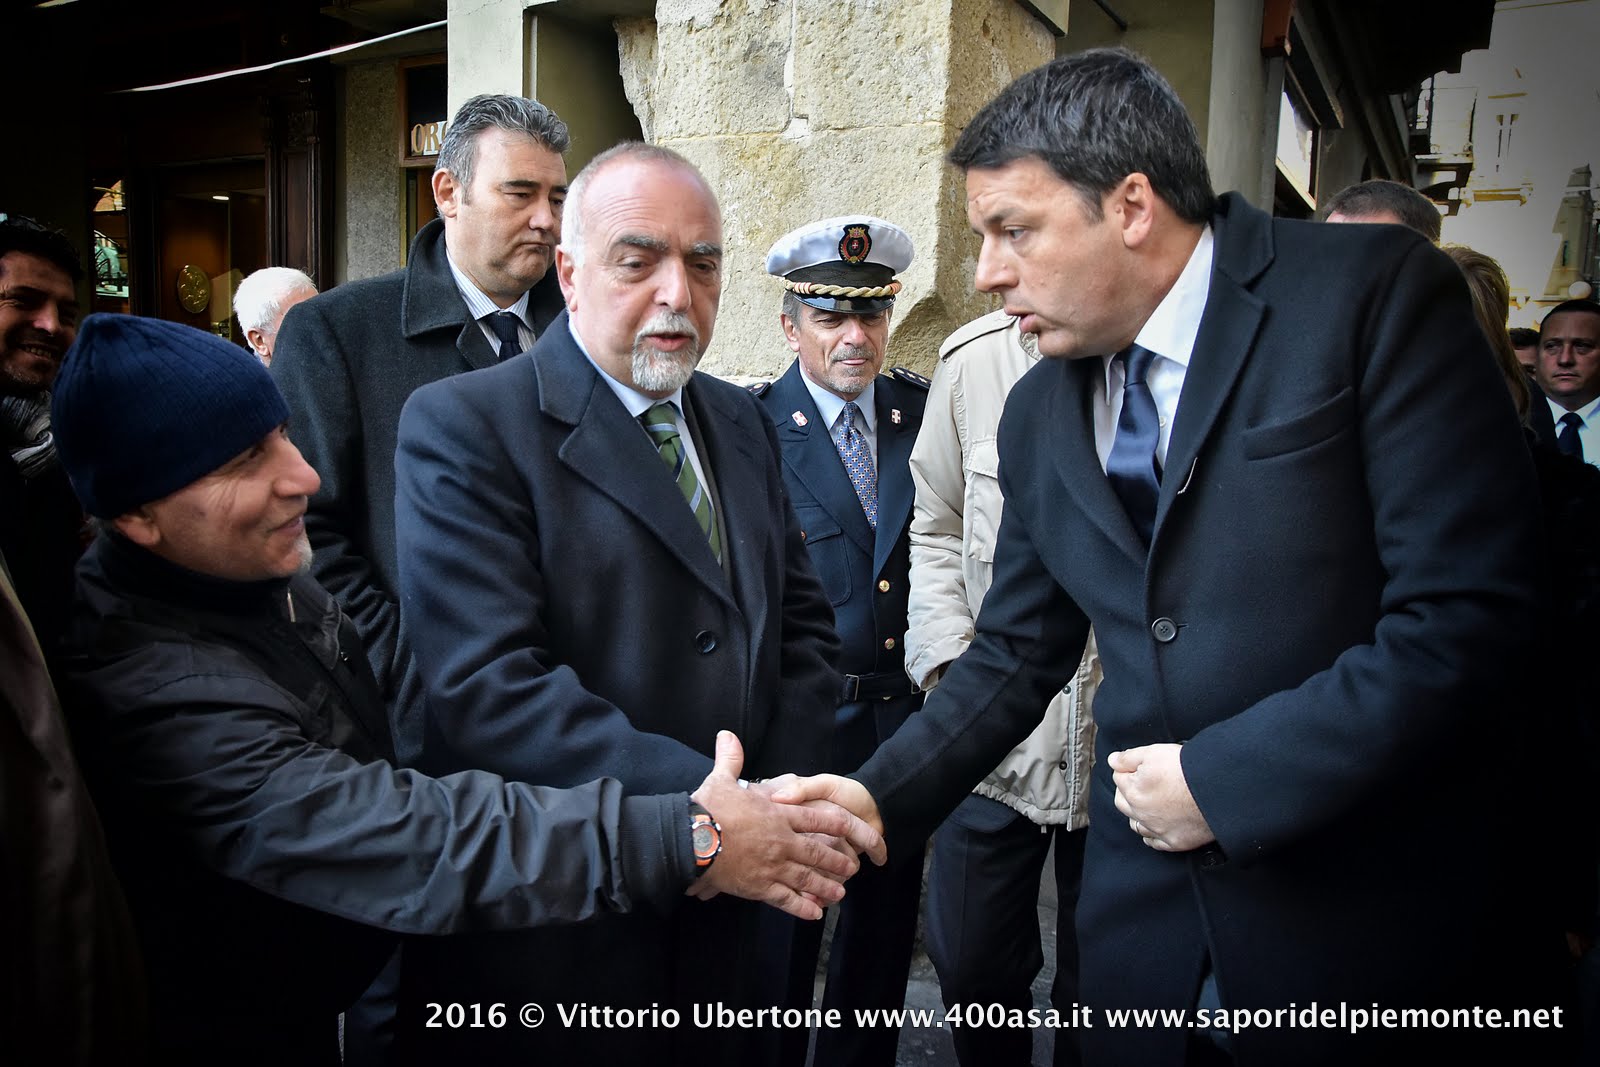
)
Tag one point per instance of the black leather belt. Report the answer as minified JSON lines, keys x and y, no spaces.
{"x":878,"y":686}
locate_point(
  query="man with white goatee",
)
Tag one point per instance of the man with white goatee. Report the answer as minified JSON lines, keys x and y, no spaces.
{"x":599,"y":564}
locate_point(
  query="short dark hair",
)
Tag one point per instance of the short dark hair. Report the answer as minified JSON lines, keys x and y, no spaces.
{"x":458,"y":153}
{"x":18,"y":233}
{"x":1094,"y":118}
{"x":1584,"y":304}
{"x":1382,"y":197}
{"x":1523,"y":337}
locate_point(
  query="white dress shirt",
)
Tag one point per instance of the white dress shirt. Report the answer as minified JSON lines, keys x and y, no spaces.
{"x":480,"y":306}
{"x":1169,"y":333}
{"x":1588,"y":433}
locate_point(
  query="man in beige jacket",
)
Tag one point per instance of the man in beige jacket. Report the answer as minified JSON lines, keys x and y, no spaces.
{"x":983,"y":891}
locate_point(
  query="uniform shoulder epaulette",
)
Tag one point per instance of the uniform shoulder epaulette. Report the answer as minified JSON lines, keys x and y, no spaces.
{"x":993,"y":322}
{"x":910,"y":377}
{"x":759,"y":389}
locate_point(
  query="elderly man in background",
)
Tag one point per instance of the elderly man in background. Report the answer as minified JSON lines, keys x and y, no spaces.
{"x":231,"y":728}
{"x":263,"y":299}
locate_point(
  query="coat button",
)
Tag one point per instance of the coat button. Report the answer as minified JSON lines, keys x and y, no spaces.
{"x":1164,"y":630}
{"x":705,"y":641}
{"x":888,"y":642}
{"x":883,"y":586}
{"x":1062,"y":765}
{"x":1212,"y":858}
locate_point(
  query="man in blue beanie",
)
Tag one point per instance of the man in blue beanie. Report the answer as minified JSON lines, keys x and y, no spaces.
{"x":237,"y":743}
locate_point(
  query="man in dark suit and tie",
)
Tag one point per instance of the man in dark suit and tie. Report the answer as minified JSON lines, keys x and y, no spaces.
{"x":476,"y":289}
{"x":846,"y":432}
{"x":599,"y":565}
{"x":1274,"y":466}
{"x":1568,"y":372}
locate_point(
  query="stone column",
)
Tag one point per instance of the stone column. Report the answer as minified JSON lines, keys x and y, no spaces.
{"x":801,"y":109}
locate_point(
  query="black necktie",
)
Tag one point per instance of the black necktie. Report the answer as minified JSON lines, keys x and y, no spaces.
{"x":1132,"y":467}
{"x":1567,"y":439}
{"x":505,"y":326}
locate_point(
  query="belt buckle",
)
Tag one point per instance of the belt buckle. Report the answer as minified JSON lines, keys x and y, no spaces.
{"x":852,"y":688}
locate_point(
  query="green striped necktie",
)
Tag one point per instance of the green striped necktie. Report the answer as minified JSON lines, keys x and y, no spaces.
{"x":661,"y":423}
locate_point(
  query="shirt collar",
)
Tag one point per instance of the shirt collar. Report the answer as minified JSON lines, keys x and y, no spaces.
{"x":1586,"y":413}
{"x":1171,"y":329}
{"x":829,"y":405}
{"x":480,"y":303}
{"x":635,"y":402}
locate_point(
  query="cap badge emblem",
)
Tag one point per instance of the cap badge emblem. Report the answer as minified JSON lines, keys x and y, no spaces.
{"x":856,"y":244}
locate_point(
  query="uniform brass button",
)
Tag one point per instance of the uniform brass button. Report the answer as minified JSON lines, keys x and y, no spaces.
{"x":888,"y":642}
{"x":1164,"y":630}
{"x":883,"y":586}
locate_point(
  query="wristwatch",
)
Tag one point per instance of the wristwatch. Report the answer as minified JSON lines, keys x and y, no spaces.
{"x":705,"y":836}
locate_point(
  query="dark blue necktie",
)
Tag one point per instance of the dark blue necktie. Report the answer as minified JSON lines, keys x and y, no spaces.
{"x":857,"y":459}
{"x":1567,"y":439}
{"x":1132,"y":467}
{"x":505,"y":326}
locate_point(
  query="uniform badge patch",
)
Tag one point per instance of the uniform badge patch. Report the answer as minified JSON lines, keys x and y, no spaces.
{"x":799,"y":418}
{"x":855,"y":245}
{"x":894,"y":416}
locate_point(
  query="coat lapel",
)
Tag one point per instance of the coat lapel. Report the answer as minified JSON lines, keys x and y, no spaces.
{"x":1227,"y":335}
{"x":734,"y":445}
{"x":1072,"y":445}
{"x":809,"y":453}
{"x":608,"y":448}
{"x":432,"y":302}
{"x":895,"y":491}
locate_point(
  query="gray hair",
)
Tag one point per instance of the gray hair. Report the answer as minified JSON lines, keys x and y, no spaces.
{"x":1382,"y":197}
{"x":458,"y":153}
{"x":260,"y":298}
{"x":1094,"y":118}
{"x":572,"y":220}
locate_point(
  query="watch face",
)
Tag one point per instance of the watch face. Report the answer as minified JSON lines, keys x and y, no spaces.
{"x":705,"y":837}
{"x":705,"y":841}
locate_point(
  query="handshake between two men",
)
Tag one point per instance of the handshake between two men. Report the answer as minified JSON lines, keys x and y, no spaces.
{"x":799,"y":838}
{"x":781,"y":841}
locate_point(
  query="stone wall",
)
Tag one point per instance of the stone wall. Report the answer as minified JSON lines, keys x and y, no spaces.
{"x":800,"y":109}
{"x":366,"y":193}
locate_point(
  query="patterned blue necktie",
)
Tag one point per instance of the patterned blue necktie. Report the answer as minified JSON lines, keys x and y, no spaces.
{"x":857,"y":457}
{"x":505,"y":326}
{"x":1132,"y":466}
{"x":1567,"y":439}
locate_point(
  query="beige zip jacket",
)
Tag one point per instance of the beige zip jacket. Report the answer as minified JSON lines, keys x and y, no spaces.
{"x":955,"y":468}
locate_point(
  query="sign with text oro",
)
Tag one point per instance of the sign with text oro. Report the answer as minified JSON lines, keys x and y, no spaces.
{"x":425,"y":138}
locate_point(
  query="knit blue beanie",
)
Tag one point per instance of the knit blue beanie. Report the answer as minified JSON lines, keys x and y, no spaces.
{"x":143,"y":407}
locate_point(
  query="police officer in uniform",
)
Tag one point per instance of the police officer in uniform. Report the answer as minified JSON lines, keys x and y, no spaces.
{"x":845,"y":432}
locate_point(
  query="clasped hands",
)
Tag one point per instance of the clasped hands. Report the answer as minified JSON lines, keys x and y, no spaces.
{"x":789,"y":842}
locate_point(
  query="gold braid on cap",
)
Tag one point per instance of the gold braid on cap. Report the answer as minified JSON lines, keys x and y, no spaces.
{"x":821,"y":289}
